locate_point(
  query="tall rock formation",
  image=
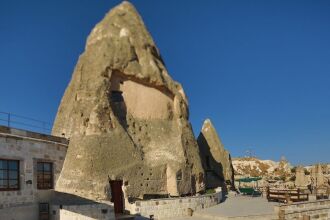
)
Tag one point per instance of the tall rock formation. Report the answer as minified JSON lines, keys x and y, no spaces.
{"x":317,"y":176}
{"x":215,"y":159}
{"x":301,"y":180}
{"x":126,"y":118}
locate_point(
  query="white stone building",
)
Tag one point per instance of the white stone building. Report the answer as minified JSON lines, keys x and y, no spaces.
{"x":30,"y":164}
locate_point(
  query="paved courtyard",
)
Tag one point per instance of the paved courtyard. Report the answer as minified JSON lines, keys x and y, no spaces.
{"x":238,"y":207}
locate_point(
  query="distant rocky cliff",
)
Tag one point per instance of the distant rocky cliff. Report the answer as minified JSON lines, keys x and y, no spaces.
{"x":282,"y":173}
{"x":250,"y":166}
{"x":126,"y":118}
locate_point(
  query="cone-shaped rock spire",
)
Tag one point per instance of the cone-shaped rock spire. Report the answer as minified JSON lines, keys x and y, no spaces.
{"x":125,"y":117}
{"x":215,"y":159}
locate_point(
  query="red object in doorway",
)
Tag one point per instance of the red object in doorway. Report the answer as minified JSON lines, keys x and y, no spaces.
{"x":117,"y":195}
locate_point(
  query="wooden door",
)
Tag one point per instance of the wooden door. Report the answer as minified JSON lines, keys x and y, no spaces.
{"x":117,"y":195}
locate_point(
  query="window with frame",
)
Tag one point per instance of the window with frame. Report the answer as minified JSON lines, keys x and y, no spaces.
{"x":9,"y":175}
{"x":43,"y":211}
{"x":44,"y":175}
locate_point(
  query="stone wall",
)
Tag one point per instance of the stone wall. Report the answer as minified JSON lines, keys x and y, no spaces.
{"x":29,"y":148}
{"x":24,"y":212}
{"x":305,"y":210}
{"x":97,"y":211}
{"x":174,"y":207}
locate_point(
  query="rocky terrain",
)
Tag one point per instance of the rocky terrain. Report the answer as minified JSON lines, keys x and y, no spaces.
{"x":250,"y":166}
{"x":282,"y":173}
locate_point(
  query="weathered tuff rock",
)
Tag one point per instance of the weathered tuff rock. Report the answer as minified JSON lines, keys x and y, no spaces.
{"x":255,"y":167}
{"x":125,"y":117}
{"x":301,"y":181}
{"x":317,"y":176}
{"x":215,"y":159}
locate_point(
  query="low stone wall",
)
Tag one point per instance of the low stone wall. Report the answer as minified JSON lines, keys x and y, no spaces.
{"x":174,"y":207}
{"x":96,"y":211}
{"x":305,"y":210}
{"x":20,"y":212}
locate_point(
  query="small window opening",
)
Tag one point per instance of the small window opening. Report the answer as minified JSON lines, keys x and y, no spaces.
{"x":117,"y":96}
{"x":179,"y":176}
{"x":44,"y":175}
{"x":9,"y":175}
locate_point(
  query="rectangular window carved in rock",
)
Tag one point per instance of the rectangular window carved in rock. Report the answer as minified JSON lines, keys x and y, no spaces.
{"x":9,"y":175}
{"x":44,"y":175}
{"x":179,"y":175}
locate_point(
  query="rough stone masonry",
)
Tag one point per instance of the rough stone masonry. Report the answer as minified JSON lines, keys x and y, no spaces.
{"x":126,"y":118}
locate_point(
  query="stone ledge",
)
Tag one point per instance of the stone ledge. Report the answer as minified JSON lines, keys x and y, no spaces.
{"x":23,"y":134}
{"x":174,"y":207}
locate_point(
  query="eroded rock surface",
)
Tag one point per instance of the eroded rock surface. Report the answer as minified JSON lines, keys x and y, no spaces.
{"x":301,"y":181}
{"x":317,"y":176}
{"x":125,"y":117}
{"x":215,"y":159}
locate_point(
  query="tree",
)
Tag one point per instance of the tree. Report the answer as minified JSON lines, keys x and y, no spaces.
{"x":306,"y":172}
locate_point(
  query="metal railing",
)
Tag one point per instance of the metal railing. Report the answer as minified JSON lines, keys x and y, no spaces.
{"x":22,"y":122}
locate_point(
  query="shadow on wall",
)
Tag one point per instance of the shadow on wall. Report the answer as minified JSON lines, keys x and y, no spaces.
{"x":64,"y":204}
{"x":119,"y":107}
{"x":232,"y":175}
{"x":213,"y":169}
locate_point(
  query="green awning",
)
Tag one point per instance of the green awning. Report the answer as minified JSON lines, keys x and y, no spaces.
{"x":249,"y":179}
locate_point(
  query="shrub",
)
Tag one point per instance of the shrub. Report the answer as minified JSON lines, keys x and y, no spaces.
{"x":210,"y":191}
{"x":293,"y":178}
{"x":306,"y":172}
{"x":276,"y":178}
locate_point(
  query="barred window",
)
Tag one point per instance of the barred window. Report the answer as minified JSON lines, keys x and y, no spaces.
{"x":9,"y":175}
{"x":43,"y":211}
{"x":45,"y":175}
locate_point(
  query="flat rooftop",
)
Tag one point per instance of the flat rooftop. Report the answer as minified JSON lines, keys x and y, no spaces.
{"x":19,"y":133}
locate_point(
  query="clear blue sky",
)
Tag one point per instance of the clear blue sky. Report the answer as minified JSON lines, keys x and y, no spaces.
{"x":259,"y":69}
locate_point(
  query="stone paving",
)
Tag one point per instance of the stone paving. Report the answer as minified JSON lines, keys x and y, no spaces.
{"x":238,"y":207}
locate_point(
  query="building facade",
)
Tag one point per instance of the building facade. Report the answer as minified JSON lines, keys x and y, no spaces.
{"x":30,"y":164}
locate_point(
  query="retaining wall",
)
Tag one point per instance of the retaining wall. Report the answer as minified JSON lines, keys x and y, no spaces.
{"x":174,"y":207}
{"x":20,"y":212}
{"x":96,"y":211}
{"x":305,"y":210}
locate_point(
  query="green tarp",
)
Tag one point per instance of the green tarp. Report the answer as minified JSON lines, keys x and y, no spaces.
{"x":249,"y":179}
